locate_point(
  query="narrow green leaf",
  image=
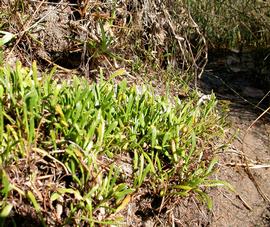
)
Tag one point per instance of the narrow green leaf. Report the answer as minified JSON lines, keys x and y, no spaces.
{"x":6,"y":186}
{"x":32,"y":198}
{"x":183,"y":187}
{"x":119,"y":72}
{"x":1,"y":91}
{"x":154,"y":136}
{"x":150,"y":162}
{"x":218,"y":183}
{"x":211,"y":166}
{"x":166,"y":137}
{"x":135,"y":160}
{"x":6,"y":211}
{"x":145,"y":172}
{"x":7,"y":37}
{"x":35,"y":74}
{"x":1,"y":121}
{"x":55,"y":196}
{"x":70,"y":191}
{"x":101,"y":131}
{"x":205,"y":198}
{"x":129,"y":107}
{"x":157,"y":160}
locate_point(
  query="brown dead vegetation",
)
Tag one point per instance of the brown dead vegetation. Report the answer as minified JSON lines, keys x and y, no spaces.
{"x":92,"y":34}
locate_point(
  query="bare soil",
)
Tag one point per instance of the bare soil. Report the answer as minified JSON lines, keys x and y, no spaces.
{"x":249,"y":146}
{"x":248,"y":206}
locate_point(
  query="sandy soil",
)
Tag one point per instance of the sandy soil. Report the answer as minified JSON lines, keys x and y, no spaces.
{"x":246,"y":207}
{"x":249,"y":205}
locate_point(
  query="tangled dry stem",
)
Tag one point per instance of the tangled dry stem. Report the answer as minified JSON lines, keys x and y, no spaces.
{"x":107,"y":34}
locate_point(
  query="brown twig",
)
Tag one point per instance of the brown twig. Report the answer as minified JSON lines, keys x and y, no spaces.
{"x":26,"y":28}
{"x":247,"y":168}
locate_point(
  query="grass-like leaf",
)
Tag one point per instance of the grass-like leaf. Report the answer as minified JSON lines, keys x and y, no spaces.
{"x":104,"y":142}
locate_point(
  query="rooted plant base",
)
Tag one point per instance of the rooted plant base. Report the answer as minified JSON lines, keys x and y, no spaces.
{"x":81,"y":152}
{"x":64,"y":180}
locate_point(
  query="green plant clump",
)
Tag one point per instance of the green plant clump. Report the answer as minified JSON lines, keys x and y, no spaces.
{"x":233,"y":24}
{"x":75,"y":152}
